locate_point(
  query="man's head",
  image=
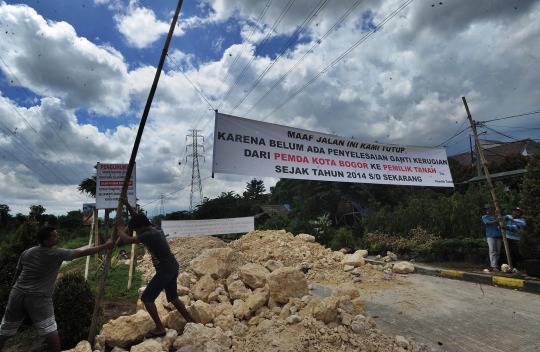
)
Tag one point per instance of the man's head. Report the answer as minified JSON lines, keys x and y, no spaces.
{"x":47,"y":236}
{"x":517,"y":212}
{"x":488,"y":208}
{"x":138,"y":222}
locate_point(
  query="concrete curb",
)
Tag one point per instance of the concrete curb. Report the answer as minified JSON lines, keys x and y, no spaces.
{"x":519,"y":284}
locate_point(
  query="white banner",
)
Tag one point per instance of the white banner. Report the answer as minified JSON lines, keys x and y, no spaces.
{"x":109,"y":182}
{"x":179,"y":228}
{"x":247,"y":147}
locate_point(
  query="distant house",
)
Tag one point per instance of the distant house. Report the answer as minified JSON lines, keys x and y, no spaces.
{"x":268,"y":211}
{"x":350,"y":209}
{"x":495,"y":150}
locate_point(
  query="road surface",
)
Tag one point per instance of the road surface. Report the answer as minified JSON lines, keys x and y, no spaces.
{"x":452,"y":315}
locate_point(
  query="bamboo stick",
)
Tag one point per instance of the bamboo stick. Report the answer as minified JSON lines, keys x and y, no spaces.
{"x":129,"y":171}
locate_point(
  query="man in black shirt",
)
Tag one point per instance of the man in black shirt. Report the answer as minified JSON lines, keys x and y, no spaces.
{"x":164,"y":262}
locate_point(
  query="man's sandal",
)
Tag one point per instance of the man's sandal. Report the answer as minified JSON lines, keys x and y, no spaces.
{"x":151,"y":335}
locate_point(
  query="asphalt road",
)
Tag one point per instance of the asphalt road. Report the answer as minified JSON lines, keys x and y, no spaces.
{"x":452,"y":315}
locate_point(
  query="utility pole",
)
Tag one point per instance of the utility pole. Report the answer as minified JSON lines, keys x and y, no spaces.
{"x":196,"y":196}
{"x":488,"y":179}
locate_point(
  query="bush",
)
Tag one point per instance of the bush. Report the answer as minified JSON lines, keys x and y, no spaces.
{"x":343,"y":238}
{"x":418,"y":241}
{"x":73,"y":308}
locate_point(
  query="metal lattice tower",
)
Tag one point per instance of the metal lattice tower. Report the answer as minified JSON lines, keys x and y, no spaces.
{"x":196,"y":196}
{"x":161,"y":205}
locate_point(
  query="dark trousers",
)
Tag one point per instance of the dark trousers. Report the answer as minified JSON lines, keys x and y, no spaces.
{"x":513,"y":248}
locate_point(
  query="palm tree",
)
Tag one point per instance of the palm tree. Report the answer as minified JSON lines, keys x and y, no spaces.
{"x":88,"y":185}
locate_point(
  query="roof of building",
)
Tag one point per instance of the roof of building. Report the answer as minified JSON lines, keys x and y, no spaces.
{"x":499,"y":175}
{"x":496,"y":151}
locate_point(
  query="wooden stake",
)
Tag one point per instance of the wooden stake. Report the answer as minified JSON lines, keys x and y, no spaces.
{"x":96,"y":237}
{"x":129,"y":171}
{"x":89,"y":245}
{"x":132,"y":262}
{"x":488,"y":179}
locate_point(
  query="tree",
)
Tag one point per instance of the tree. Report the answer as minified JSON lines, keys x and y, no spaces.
{"x":254,"y":189}
{"x":5,"y":219}
{"x":71,"y":221}
{"x":36,"y":210}
{"x":530,"y":196}
{"x":88,"y":185}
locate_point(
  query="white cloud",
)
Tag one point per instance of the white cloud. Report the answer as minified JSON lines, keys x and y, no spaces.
{"x":140,"y":26}
{"x":402,"y":85}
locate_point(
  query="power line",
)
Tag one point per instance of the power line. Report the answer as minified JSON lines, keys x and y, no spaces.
{"x":255,"y":26}
{"x":32,"y":188}
{"x":509,"y":117}
{"x":29,"y":166}
{"x":291,"y":40}
{"x":347,"y":52}
{"x":258,"y":50}
{"x":43,"y":163}
{"x":70,"y":169}
{"x":198,"y":91}
{"x":317,"y":43}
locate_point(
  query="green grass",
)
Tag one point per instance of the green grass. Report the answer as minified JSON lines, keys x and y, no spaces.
{"x":76,"y":243}
{"x":117,"y":278}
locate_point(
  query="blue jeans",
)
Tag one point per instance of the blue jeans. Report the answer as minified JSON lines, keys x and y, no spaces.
{"x":162,"y":280}
{"x":494,"y":245}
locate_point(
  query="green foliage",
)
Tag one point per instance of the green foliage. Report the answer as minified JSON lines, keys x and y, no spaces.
{"x":254,"y":189}
{"x":74,"y":302}
{"x":24,"y":238}
{"x":458,"y":215}
{"x":530,"y":203}
{"x":71,"y":221}
{"x":418,"y":241}
{"x":343,"y":238}
{"x":321,"y":229}
{"x":276,"y":222}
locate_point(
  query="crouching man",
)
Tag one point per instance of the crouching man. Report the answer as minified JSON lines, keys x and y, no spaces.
{"x":165,"y":264}
{"x":33,"y":286}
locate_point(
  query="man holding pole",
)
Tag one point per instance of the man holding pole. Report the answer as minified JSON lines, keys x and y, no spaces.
{"x":514,"y":224}
{"x":33,"y":286}
{"x":164,"y":262}
{"x":494,"y":236}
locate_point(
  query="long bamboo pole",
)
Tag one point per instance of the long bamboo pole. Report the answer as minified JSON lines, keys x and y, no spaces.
{"x":129,"y":171}
{"x":89,"y":245}
{"x":488,"y":179}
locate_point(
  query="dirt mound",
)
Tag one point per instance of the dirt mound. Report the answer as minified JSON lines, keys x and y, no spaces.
{"x":307,"y":324}
{"x":184,"y":249}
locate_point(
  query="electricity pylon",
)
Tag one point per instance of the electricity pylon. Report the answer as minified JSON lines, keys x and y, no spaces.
{"x":196,"y":196}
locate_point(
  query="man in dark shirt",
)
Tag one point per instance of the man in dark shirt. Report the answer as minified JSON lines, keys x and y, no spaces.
{"x":165,"y":264}
{"x":33,"y":286}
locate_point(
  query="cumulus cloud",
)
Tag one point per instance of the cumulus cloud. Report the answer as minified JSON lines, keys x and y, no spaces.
{"x":51,"y":60}
{"x":403,"y":85}
{"x":140,"y":26}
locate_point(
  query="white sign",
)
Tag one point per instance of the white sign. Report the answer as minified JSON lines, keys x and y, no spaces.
{"x":109,"y":182}
{"x":247,"y":147}
{"x":179,"y":228}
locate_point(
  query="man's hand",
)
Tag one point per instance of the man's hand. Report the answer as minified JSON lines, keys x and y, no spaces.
{"x":118,"y":223}
{"x":110,"y":244}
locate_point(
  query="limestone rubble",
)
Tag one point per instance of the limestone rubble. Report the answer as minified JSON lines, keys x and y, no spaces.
{"x":253,"y":295}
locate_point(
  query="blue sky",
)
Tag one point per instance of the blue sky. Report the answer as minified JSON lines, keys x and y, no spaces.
{"x":75,"y":75}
